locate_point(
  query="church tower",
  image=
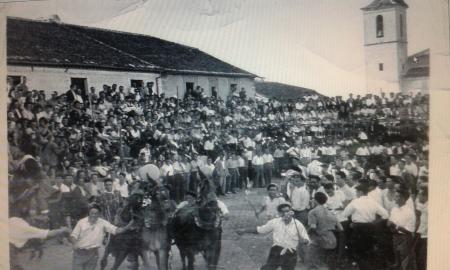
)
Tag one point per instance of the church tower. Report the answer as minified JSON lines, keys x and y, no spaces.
{"x":385,"y":44}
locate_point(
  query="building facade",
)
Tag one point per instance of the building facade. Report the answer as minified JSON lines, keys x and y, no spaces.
{"x":52,"y":56}
{"x":386,"y":48}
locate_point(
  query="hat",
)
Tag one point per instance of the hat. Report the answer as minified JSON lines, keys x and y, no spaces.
{"x":272,"y":185}
{"x":282,"y":205}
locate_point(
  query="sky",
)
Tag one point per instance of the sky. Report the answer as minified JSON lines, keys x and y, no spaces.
{"x":316,"y":44}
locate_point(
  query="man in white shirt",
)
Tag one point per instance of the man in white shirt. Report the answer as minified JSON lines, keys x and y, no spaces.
{"x":363,"y":150}
{"x":121,"y":185}
{"x":258,"y":165}
{"x":20,"y":232}
{"x":363,"y":212}
{"x":278,"y":158}
{"x":287,"y":233}
{"x":299,"y":197}
{"x":349,"y":192}
{"x":314,"y":168}
{"x":271,"y":202}
{"x":268,"y":166}
{"x":402,"y":223}
{"x":87,"y":238}
{"x":422,"y":231}
{"x":146,"y":152}
{"x":335,"y":201}
{"x":375,"y":192}
{"x":410,"y":166}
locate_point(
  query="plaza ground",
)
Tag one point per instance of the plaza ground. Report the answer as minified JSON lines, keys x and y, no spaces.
{"x":246,"y":252}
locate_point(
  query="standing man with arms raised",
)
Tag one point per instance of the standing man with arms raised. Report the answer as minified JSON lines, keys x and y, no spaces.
{"x":87,"y":238}
{"x":287,"y":234}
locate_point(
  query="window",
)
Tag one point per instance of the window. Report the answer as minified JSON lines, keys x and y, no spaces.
{"x":137,"y":83}
{"x":380,"y":67}
{"x":401,"y":25}
{"x":81,"y":84}
{"x":190,"y":89}
{"x":380,"y":27}
{"x":233,"y":87}
{"x":15,"y":80}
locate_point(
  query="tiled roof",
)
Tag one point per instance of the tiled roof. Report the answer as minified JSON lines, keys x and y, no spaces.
{"x":282,"y":91}
{"x":49,"y":44}
{"x":57,"y":44}
{"x":380,"y":4}
{"x":418,"y":65}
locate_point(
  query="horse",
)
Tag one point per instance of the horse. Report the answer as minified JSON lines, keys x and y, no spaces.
{"x":128,"y":243}
{"x":150,"y":210}
{"x":197,"y":229}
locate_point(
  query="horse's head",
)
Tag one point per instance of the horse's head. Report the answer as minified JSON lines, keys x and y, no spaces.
{"x":208,"y":212}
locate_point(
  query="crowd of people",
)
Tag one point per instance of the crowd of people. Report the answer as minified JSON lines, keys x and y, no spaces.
{"x":90,"y":144}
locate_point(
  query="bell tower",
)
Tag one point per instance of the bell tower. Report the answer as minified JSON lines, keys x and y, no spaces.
{"x":385,"y":44}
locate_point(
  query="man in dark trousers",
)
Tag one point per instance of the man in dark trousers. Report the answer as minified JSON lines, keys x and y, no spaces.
{"x":287,"y":233}
{"x":363,"y":212}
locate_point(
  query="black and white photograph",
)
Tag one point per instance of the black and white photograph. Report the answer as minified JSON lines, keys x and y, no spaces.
{"x":233,"y":134}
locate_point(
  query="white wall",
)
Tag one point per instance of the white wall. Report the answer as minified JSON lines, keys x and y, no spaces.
{"x":222,"y":84}
{"x":58,"y":79}
{"x":389,"y":78}
{"x":419,"y":84}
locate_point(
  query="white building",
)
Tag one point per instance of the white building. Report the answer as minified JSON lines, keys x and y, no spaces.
{"x":388,"y":67}
{"x":53,"y":55}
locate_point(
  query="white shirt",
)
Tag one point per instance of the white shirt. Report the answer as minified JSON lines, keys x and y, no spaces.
{"x":362,"y":151}
{"x":268,"y":158}
{"x":242,"y":162}
{"x":166,"y":170}
{"x":123,"y":189}
{"x":314,"y":168}
{"x":271,"y":206}
{"x":89,"y":235}
{"x":394,"y":171}
{"x":403,"y":217}
{"x":363,"y":210}
{"x":20,"y":232}
{"x":62,"y":188}
{"x":423,"y":226}
{"x":376,"y":195}
{"x":209,"y":145}
{"x":336,"y":204}
{"x":387,"y":203}
{"x":349,"y":192}
{"x":299,"y":198}
{"x":258,"y":160}
{"x":284,"y":235}
{"x":412,"y":169}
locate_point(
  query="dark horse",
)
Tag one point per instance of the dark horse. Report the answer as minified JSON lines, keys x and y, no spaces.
{"x":197,"y":229}
{"x":151,"y":219}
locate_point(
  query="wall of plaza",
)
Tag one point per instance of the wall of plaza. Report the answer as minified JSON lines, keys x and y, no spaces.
{"x":59,"y":79}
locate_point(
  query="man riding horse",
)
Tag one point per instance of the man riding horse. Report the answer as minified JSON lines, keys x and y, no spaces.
{"x":150,"y":207}
{"x":197,"y":228}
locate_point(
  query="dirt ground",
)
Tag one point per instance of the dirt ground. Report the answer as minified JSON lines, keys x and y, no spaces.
{"x":246,"y":252}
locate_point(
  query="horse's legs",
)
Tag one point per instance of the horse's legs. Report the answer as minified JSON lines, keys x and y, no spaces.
{"x":158,"y":262}
{"x":104,"y":260}
{"x":183,"y":257}
{"x":216,"y":254}
{"x":191,"y":260}
{"x":162,"y":258}
{"x":119,"y":259}
{"x":145,"y":259}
